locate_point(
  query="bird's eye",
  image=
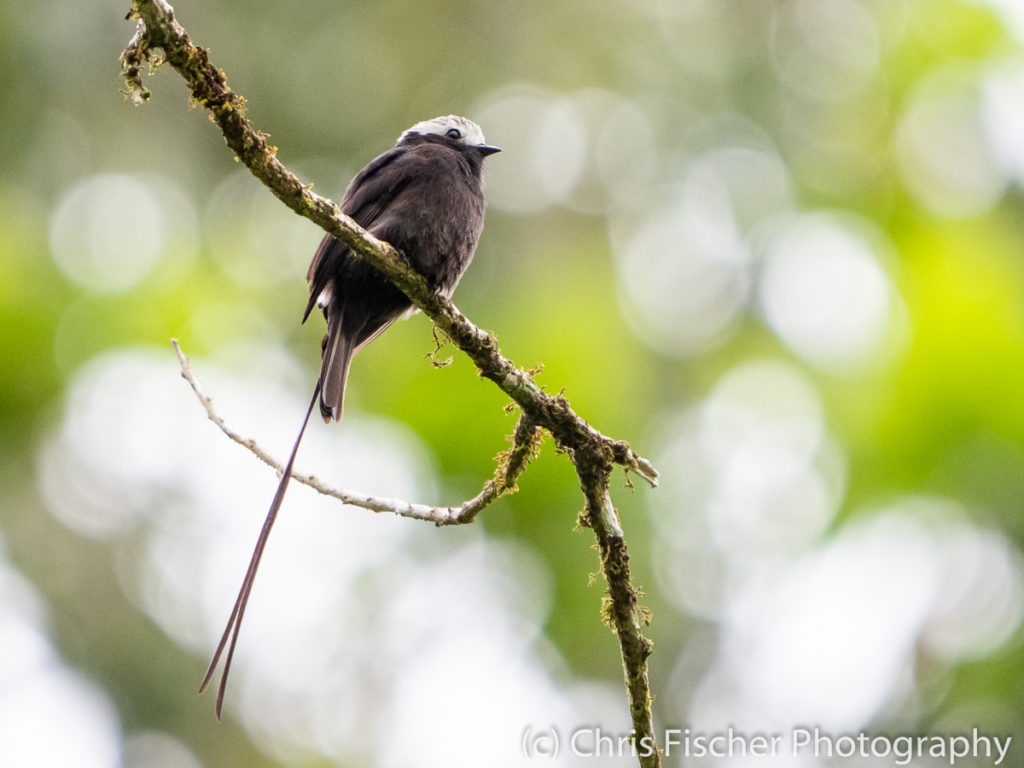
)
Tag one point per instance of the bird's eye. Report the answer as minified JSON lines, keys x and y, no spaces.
{"x":453,"y":133}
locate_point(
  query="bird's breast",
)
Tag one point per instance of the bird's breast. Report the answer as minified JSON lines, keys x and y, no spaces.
{"x":436,"y":222}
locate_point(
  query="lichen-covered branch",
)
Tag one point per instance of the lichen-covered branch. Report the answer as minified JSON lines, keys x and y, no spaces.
{"x":622,"y":612}
{"x":593,"y":454}
{"x":511,"y":463}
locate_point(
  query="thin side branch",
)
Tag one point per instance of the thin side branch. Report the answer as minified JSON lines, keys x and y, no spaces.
{"x":512,"y":463}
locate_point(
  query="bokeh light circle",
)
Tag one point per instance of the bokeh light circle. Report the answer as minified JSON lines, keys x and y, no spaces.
{"x":108,"y":232}
{"x":824,"y":292}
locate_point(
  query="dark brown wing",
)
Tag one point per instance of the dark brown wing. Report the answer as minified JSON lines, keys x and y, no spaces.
{"x":368,"y":195}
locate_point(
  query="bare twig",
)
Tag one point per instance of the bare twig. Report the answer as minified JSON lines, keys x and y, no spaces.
{"x":512,"y":463}
{"x":592,"y":453}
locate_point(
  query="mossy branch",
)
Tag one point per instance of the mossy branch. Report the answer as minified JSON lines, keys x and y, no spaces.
{"x":593,"y":454}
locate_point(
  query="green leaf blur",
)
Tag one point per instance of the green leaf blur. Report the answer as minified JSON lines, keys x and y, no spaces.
{"x":779,"y":247}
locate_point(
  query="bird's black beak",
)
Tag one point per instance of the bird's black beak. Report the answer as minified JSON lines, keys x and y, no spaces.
{"x":487,"y":149}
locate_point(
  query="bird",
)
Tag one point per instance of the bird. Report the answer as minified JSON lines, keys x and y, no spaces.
{"x":425,"y":197}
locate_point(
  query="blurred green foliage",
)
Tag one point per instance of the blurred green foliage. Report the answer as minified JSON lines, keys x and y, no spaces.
{"x":829,"y":90}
